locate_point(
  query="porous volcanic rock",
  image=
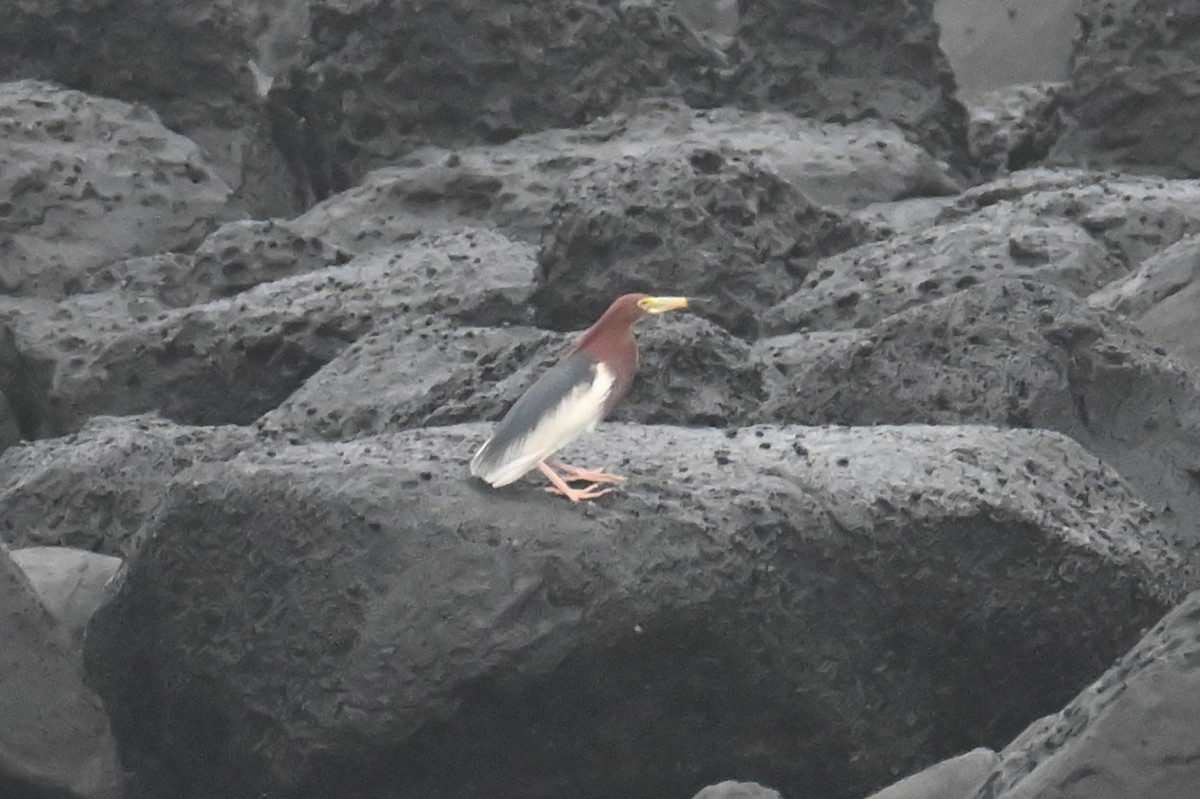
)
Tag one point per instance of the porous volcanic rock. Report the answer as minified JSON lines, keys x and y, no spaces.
{"x":1132,"y":99}
{"x":240,"y":255}
{"x":861,"y":286}
{"x":85,"y":181}
{"x":1162,"y":297}
{"x":1014,"y":127}
{"x":810,"y":608}
{"x":416,"y":373}
{"x":514,"y":186}
{"x":711,"y":224}
{"x":157,"y":282}
{"x":1010,"y":353}
{"x":55,"y":740}
{"x":1130,"y":733}
{"x":94,"y":489}
{"x":1134,"y":217}
{"x":419,"y":373}
{"x":1073,"y":229}
{"x":234,"y":359}
{"x":385,"y":79}
{"x":69,"y":582}
{"x":188,"y":60}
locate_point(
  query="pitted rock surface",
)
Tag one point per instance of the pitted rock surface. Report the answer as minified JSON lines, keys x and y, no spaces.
{"x":1014,"y":127}
{"x":420,"y":373}
{"x":710,"y":224}
{"x":188,"y":60}
{"x":86,"y":181}
{"x":1162,"y":297}
{"x":1013,"y":354}
{"x":93,"y":490}
{"x":515,"y":185}
{"x":1076,"y":230}
{"x":352,"y":609}
{"x":370,"y":81}
{"x":234,"y":359}
{"x":1131,"y":97}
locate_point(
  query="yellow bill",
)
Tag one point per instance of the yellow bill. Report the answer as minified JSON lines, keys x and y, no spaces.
{"x":661,"y":304}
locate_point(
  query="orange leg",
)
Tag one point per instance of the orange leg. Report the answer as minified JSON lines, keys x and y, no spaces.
{"x":575,"y":474}
{"x":574,"y":494}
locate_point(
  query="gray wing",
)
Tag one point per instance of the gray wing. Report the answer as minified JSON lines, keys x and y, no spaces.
{"x":571,"y":377}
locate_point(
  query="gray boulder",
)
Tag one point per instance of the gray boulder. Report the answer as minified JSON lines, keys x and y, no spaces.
{"x":424,"y":372}
{"x":1015,"y":354}
{"x":427,"y":75}
{"x":1131,"y":733}
{"x":55,"y":742}
{"x":233,"y":359}
{"x":94,"y":489}
{"x":1162,"y":298}
{"x":190,"y":61}
{"x":1130,"y":98}
{"x":1076,"y":230}
{"x":762,"y":602}
{"x":86,"y":181}
{"x":710,"y":223}
{"x":737,"y":790}
{"x":956,"y":778}
{"x":69,"y":582}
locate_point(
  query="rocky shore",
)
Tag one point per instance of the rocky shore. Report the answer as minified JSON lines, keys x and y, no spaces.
{"x":913,"y":508}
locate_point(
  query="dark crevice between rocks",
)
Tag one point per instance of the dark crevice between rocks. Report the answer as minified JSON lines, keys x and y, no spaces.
{"x":25,"y":382}
{"x":299,"y":129}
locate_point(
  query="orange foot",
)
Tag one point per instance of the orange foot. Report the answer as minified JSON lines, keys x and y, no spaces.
{"x":574,"y":494}
{"x":575,"y":474}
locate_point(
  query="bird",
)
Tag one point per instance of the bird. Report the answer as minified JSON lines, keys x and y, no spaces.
{"x":569,"y":399}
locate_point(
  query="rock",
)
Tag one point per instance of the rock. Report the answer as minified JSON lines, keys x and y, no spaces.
{"x":956,"y":778}
{"x":1014,"y":127}
{"x":1013,"y":354}
{"x":693,"y":373}
{"x":87,"y":181}
{"x":1133,"y":217}
{"x":241,"y":255}
{"x":194,"y":72}
{"x":709,"y":224}
{"x":846,"y":62}
{"x":69,"y":582}
{"x":413,"y":374}
{"x":737,"y":790}
{"x":1130,"y":733}
{"x":232,"y":360}
{"x":1161,"y":297}
{"x":811,"y":608}
{"x":1073,"y":229}
{"x":386,"y":80}
{"x":861,"y":286}
{"x":1131,"y":99}
{"x":408,"y":374}
{"x":153,"y":282}
{"x":514,"y":186}
{"x":93,"y":490}
{"x":55,"y":738}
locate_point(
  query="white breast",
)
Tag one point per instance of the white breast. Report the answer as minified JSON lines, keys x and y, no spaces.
{"x":579,"y":411}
